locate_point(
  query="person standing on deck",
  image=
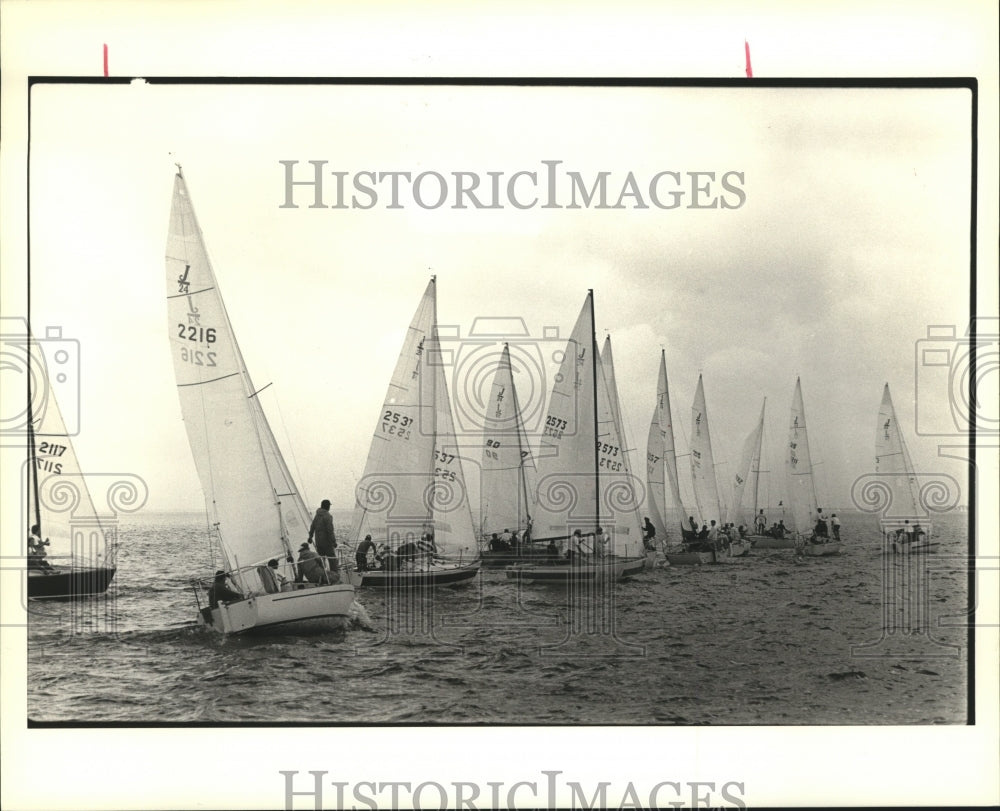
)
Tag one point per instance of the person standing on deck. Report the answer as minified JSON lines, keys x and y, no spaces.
{"x":760,"y":522}
{"x":326,"y":540}
{"x":361,"y":555}
{"x":835,"y":524}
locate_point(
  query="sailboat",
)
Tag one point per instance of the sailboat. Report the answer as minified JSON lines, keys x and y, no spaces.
{"x":617,"y":431}
{"x":586,"y":498}
{"x":903,"y":532}
{"x":661,"y":463}
{"x":706,"y":494}
{"x":805,"y":512}
{"x":81,"y":563}
{"x":508,"y":475}
{"x":253,"y":504}
{"x":748,"y":497}
{"x":412,"y":498}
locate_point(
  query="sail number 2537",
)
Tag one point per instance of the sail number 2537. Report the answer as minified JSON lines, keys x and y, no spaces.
{"x":396,"y":424}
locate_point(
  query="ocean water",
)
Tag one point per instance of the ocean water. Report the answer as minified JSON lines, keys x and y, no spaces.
{"x":859,"y":638}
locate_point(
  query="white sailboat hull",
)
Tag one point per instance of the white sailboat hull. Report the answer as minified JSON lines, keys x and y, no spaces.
{"x":697,"y":558}
{"x":301,"y":610}
{"x":767,"y":542}
{"x":610,"y":568}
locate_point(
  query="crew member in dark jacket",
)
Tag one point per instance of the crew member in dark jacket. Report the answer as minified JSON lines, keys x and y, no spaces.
{"x":322,"y":532}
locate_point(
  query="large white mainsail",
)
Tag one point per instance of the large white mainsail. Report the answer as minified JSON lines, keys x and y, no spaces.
{"x":799,"y":469}
{"x":706,"y":487}
{"x":249,"y":493}
{"x":748,"y":497}
{"x":508,"y":469}
{"x":618,"y":487}
{"x":413,"y":481}
{"x":567,"y":461}
{"x":892,"y":460}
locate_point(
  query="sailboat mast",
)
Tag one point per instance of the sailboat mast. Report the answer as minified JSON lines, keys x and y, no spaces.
{"x":32,"y":461}
{"x":597,"y":459}
{"x":760,"y":458}
{"x":518,"y":428}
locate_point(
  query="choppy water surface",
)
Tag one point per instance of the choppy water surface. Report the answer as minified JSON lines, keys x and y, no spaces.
{"x":759,"y":640}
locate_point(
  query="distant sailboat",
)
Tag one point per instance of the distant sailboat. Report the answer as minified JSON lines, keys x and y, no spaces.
{"x":81,"y":563}
{"x":805,"y":512}
{"x":706,"y":494}
{"x":253,"y":503}
{"x":893,"y":463}
{"x":628,"y":538}
{"x":412,"y":498}
{"x":585,"y":494}
{"x":508,"y":475}
{"x":749,"y":490}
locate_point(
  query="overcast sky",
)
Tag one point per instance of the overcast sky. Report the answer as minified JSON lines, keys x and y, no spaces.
{"x":846,"y":236}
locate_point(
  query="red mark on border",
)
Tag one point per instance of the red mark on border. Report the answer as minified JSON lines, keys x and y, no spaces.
{"x":746,"y":47}
{"x":105,"y":59}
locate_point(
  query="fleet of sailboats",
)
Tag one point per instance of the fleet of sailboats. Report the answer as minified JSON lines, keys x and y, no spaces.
{"x":571,"y":504}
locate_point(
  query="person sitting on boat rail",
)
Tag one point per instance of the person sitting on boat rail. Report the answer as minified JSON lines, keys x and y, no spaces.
{"x":694,"y":524}
{"x":322,"y":531}
{"x":835,"y":524}
{"x":220,"y":592}
{"x":781,"y":530}
{"x":648,"y":535}
{"x":279,"y":579}
{"x":760,"y":523}
{"x":703,"y":535}
{"x":495,"y":543}
{"x":506,"y":538}
{"x":743,"y":531}
{"x":361,"y":555}
{"x":36,"y":550}
{"x":311,"y":567}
